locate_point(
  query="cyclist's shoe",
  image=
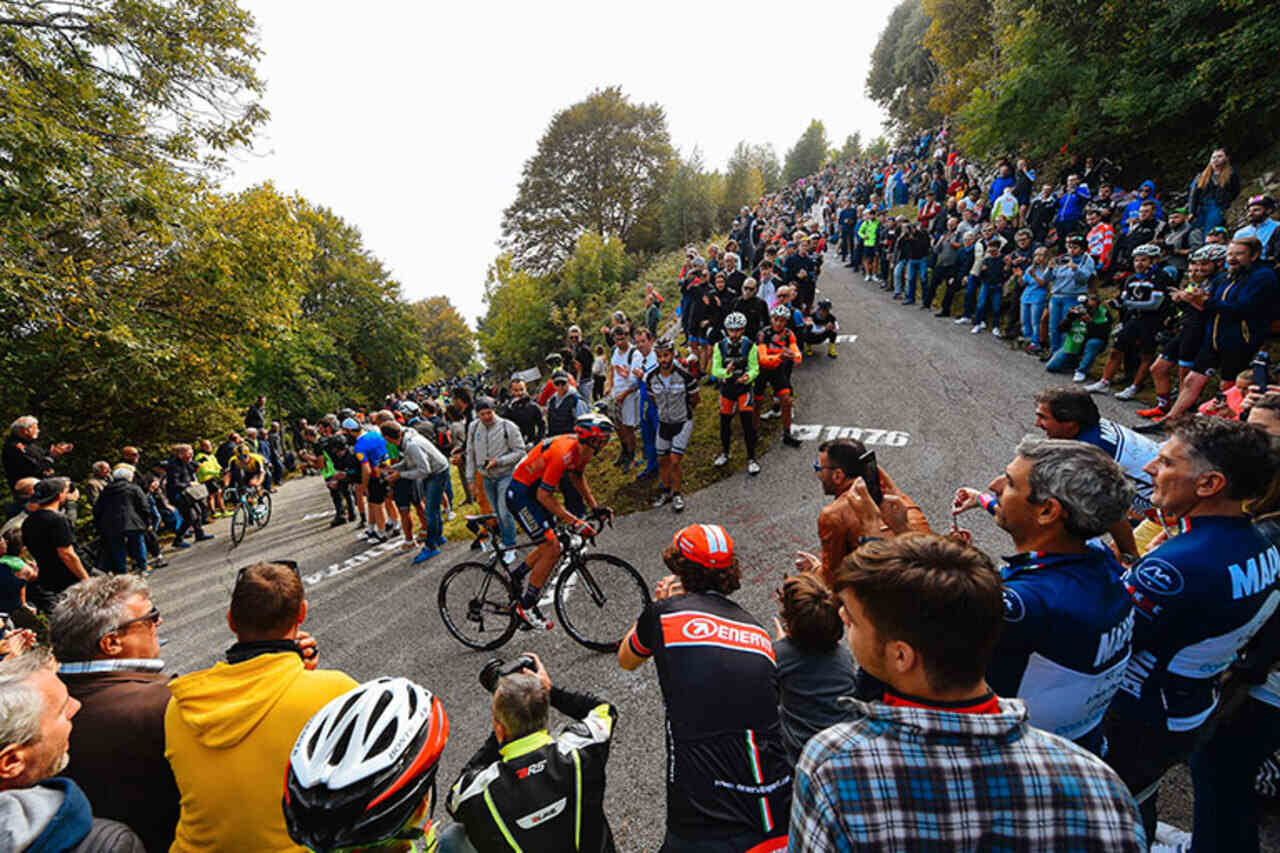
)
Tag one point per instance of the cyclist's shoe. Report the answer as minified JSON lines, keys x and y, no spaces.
{"x":790,"y":440}
{"x":391,"y":528}
{"x":721,"y":461}
{"x":753,"y":467}
{"x":1128,"y":393}
{"x":533,"y":618}
{"x":426,"y":554}
{"x":178,"y":543}
{"x":1153,"y":412}
{"x":510,"y":557}
{"x":808,"y":350}
{"x":1102,"y":386}
{"x":677,"y":503}
{"x":661,"y":499}
{"x":407,"y":545}
{"x":376,"y":536}
{"x":204,"y":537}
{"x":831,"y":348}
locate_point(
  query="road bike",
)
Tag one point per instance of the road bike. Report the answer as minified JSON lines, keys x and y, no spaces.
{"x":597,"y":596}
{"x":253,"y":510}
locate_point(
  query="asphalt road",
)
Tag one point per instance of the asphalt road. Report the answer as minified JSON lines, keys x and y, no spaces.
{"x":941,"y":408}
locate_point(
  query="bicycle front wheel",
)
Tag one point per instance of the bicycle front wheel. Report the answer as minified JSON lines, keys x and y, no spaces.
{"x":239,"y":523}
{"x":475,"y":605}
{"x":264,"y":510}
{"x":599,"y":599}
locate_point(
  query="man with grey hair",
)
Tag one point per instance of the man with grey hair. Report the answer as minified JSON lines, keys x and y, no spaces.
{"x":40,"y":810}
{"x":527,"y":790}
{"x":1068,"y":620}
{"x":105,"y":636}
{"x":23,"y":457}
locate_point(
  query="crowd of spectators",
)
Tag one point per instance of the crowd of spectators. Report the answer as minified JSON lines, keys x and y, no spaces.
{"x":912,"y":694}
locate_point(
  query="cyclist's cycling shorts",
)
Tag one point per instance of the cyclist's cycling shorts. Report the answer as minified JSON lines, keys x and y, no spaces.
{"x":377,"y":489}
{"x":673,"y":438}
{"x":533,"y":518}
{"x":735,"y":398}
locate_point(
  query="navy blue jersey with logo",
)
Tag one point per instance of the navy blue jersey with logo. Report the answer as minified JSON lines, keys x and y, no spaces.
{"x":1065,"y":642}
{"x":1131,"y":451}
{"x":1198,"y":599}
{"x":727,"y":770}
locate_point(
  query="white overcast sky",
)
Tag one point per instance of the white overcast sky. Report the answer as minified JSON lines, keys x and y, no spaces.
{"x":412,"y":120}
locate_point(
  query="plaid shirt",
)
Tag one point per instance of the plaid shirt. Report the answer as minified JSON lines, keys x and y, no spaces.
{"x":905,"y":778}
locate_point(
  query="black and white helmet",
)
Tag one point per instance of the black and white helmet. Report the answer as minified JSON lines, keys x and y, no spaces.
{"x":1215,"y":252}
{"x":735,"y":320}
{"x":1150,"y":250}
{"x":781,"y":310}
{"x":363,"y":765}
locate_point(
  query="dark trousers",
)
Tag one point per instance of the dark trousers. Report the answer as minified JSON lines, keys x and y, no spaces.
{"x":1223,"y":770}
{"x":954,"y":286}
{"x":344,"y":505}
{"x":122,"y":546}
{"x":930,"y":289}
{"x":191,"y":517}
{"x":1141,"y":754}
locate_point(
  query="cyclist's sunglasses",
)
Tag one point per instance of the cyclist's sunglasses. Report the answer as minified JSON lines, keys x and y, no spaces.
{"x":292,"y":564}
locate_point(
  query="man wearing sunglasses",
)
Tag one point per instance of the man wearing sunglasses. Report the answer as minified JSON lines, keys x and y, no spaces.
{"x":105,"y":636}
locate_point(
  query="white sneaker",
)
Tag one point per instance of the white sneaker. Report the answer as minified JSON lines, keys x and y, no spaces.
{"x":721,"y":461}
{"x":510,"y":557}
{"x":1102,"y":386}
{"x":1078,"y":376}
{"x":1128,"y":393}
{"x":960,"y":321}
{"x":996,"y":333}
{"x":677,"y":503}
{"x":753,"y":467}
{"x":977,"y":328}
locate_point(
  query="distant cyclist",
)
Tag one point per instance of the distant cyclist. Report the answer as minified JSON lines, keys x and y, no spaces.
{"x":735,"y":363}
{"x":674,"y":392}
{"x":778,"y":352}
{"x":245,"y":469}
{"x":531,"y":498}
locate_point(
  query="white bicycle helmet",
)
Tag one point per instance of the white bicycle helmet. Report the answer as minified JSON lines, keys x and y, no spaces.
{"x":363,"y":764}
{"x":1151,"y":250}
{"x":780,"y":311}
{"x":736,"y":320}
{"x":1215,"y":252}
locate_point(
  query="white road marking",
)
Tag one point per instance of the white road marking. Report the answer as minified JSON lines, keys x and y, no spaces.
{"x":314,"y":515}
{"x":351,"y":562}
{"x":890,"y":438}
{"x":846,"y":339}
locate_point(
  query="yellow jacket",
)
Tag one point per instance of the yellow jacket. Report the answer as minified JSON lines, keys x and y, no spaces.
{"x":228,"y":732}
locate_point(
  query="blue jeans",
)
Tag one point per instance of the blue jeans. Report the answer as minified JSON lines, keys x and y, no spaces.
{"x":1058,"y":308}
{"x":1031,"y":312}
{"x":971,"y":285}
{"x":898,"y":269}
{"x":433,"y":489}
{"x":917,"y":270}
{"x":495,"y":489}
{"x":1209,"y":215}
{"x":1064,"y":362}
{"x":990,"y":295}
{"x":131,"y":544}
{"x":649,"y":433}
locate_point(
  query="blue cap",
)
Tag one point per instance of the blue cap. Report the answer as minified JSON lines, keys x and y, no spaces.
{"x":350,"y":423}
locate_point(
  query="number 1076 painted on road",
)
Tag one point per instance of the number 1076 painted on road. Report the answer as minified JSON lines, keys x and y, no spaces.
{"x":888,"y":437}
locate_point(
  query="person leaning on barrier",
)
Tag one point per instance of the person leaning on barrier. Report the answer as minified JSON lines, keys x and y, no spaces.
{"x":527,"y":790}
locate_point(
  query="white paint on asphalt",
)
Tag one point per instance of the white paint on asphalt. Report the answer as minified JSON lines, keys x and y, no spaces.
{"x":888,"y":437}
{"x":311,"y":516}
{"x":350,"y":563}
{"x":846,"y":339}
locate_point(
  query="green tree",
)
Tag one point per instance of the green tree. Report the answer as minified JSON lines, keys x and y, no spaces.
{"x":448,"y":340}
{"x":903,"y":72}
{"x":878,"y":148}
{"x":766,"y":161}
{"x":807,"y":155}
{"x":743,"y":183}
{"x":689,"y":205}
{"x":515,"y":333}
{"x":852,"y":148}
{"x":601,"y":166}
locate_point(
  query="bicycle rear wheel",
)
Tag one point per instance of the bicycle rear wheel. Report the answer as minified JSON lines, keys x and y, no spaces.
{"x":239,"y":523}
{"x":599,"y":599}
{"x":264,"y":510}
{"x":475,"y":605}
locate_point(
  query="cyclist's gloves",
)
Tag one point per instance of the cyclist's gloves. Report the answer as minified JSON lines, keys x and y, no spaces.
{"x":584,"y":530}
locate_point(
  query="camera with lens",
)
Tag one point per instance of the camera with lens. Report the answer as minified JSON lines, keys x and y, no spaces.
{"x":496,"y":668}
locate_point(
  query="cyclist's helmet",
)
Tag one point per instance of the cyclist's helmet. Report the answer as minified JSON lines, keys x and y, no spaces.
{"x":243,"y":451}
{"x":736,"y":320}
{"x":593,"y":425}
{"x":664,"y":345}
{"x":1265,"y":200}
{"x":1076,"y":239}
{"x":779,"y":310}
{"x":705,"y":544}
{"x":363,"y":765}
{"x":1150,"y":250}
{"x":1215,"y":252}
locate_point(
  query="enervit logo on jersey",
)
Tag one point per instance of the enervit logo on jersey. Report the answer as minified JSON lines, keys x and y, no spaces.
{"x":695,"y":628}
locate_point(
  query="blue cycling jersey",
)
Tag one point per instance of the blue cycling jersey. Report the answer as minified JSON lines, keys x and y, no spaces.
{"x":1198,"y":599}
{"x":371,"y":447}
{"x":1130,"y":450}
{"x":1065,"y":642}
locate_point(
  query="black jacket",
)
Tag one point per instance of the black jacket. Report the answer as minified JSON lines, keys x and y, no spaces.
{"x":254,"y":418}
{"x":25,"y":459}
{"x":121,"y":508}
{"x":548,"y":791}
{"x":525,"y":414}
{"x":177,"y":476}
